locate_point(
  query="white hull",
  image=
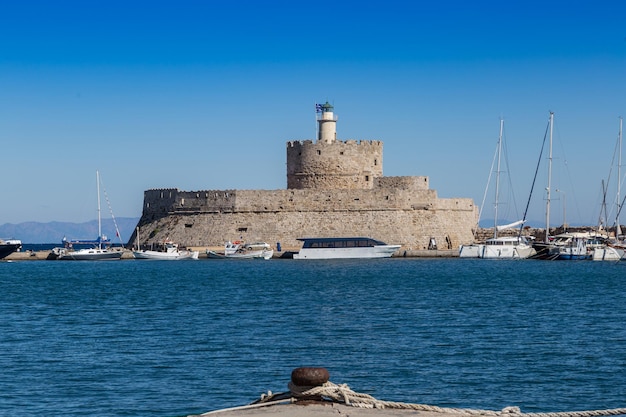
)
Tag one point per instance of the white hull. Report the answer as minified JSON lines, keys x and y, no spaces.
{"x":384,"y":251}
{"x":607,"y":253}
{"x":469,"y":251}
{"x":498,"y":248}
{"x":242,"y":250}
{"x":260,"y":254}
{"x":153,"y":254}
{"x":506,"y":252}
{"x":90,"y":255}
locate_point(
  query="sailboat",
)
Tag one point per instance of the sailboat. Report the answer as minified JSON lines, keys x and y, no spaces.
{"x":99,"y":250}
{"x":499,"y":247}
{"x":568,"y":245}
{"x":615,"y":249}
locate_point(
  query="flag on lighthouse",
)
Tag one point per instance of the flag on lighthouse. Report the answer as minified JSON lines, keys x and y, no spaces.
{"x":318,"y":108}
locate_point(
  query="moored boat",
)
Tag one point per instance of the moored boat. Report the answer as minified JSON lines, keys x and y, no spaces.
{"x":614,"y":248}
{"x":242,"y":250}
{"x":574,"y":246}
{"x":344,"y":248}
{"x":8,"y":246}
{"x":506,"y":247}
{"x":608,"y":253}
{"x":96,"y":250}
{"x":498,"y":247}
{"x":166,"y":250}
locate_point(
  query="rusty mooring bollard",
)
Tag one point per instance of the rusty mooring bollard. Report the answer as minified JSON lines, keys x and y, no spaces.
{"x":309,"y":376}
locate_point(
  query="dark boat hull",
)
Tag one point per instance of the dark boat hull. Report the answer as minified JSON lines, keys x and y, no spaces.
{"x":8,"y":248}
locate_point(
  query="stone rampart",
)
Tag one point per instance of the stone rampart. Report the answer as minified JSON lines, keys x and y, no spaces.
{"x":209,"y":218}
{"x":158,"y":203}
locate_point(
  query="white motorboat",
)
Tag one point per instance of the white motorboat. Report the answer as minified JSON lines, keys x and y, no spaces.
{"x":344,"y":248}
{"x":242,"y":250}
{"x":167,"y":250}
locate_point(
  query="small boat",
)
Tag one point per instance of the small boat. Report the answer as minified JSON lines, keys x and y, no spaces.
{"x":96,"y":250}
{"x":242,"y":250}
{"x":167,"y":250}
{"x":571,"y":247}
{"x":344,"y":248}
{"x":8,"y":246}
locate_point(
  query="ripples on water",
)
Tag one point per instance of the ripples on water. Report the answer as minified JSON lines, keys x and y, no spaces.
{"x":143,"y":338}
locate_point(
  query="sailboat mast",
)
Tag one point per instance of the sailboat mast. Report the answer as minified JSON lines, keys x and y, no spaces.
{"x":549,"y":181}
{"x":99,"y":217}
{"x":495,"y":215}
{"x":618,"y":228}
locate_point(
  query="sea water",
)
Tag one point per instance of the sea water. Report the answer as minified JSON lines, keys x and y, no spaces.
{"x":163,"y":338}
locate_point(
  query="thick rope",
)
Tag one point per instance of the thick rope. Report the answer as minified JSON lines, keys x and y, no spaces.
{"x":344,"y":395}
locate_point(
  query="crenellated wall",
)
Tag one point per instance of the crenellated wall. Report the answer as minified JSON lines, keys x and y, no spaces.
{"x":409,"y":216}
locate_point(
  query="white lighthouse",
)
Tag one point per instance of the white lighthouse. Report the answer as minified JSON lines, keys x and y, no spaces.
{"x":327,"y":124}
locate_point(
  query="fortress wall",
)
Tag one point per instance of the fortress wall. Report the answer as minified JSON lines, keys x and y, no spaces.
{"x":160,"y":202}
{"x":412,"y":228}
{"x":163,"y":202}
{"x":346,"y":164}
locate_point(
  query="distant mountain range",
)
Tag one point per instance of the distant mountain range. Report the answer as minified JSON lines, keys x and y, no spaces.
{"x":54,"y":232}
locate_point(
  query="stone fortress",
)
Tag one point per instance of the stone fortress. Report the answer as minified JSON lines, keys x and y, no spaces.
{"x":334,"y":189}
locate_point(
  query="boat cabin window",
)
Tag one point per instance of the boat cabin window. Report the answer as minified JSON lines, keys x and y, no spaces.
{"x":348,"y":242}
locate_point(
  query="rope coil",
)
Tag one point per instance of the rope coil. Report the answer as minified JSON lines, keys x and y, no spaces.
{"x":344,"y":395}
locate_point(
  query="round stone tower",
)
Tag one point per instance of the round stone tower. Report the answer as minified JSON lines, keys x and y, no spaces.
{"x":330,"y":163}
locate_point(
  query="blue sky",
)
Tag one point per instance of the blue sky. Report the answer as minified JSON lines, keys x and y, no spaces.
{"x":204,"y":95}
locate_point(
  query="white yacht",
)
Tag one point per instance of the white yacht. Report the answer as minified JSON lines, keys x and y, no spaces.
{"x":344,"y":248}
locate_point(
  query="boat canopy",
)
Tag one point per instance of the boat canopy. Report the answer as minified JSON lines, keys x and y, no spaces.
{"x":510,"y":225}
